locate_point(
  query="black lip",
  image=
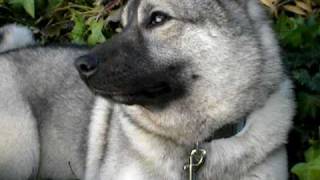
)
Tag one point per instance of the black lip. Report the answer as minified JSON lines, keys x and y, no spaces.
{"x":150,"y":93}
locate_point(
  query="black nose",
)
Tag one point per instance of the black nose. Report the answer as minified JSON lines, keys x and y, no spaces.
{"x":86,"y":65}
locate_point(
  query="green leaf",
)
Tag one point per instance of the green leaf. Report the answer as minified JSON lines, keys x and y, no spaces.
{"x":78,"y":32}
{"x":300,"y":170}
{"x":312,"y":153}
{"x":307,"y":171}
{"x":314,"y":172}
{"x":314,"y":169}
{"x":96,"y":36}
{"x":16,"y":4}
{"x":28,"y":5}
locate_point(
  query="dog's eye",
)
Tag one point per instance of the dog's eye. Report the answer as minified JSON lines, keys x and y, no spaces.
{"x":158,"y":18}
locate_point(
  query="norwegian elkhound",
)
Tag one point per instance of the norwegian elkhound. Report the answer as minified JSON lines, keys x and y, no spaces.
{"x":44,"y":109}
{"x":189,"y":89}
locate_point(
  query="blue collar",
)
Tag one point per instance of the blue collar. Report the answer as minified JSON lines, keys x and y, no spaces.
{"x":228,"y":130}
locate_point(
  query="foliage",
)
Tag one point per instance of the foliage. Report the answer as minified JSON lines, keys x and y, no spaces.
{"x":310,"y":170}
{"x":28,"y":6}
{"x":78,"y":21}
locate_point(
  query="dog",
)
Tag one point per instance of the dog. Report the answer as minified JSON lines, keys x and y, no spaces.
{"x":45,"y":109}
{"x":188,"y":89}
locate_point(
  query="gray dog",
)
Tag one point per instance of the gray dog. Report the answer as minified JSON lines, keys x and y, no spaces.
{"x":190,"y":89}
{"x":44,"y":109}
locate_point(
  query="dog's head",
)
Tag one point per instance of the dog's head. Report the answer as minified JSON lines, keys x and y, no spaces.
{"x":186,"y":67}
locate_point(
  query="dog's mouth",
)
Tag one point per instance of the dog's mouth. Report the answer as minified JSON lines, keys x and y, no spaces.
{"x":158,"y":92}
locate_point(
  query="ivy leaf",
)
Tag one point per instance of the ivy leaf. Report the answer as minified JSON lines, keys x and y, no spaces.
{"x":314,"y":172}
{"x":96,"y":36}
{"x":307,"y":171}
{"x":312,"y":153}
{"x":78,"y":32}
{"x":28,"y":5}
{"x":300,"y":170}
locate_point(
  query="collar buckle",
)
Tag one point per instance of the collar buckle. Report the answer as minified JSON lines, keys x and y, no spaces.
{"x":196,"y":160}
{"x":197,"y":156}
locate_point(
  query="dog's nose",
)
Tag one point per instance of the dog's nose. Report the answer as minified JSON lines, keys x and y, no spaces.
{"x":87,"y":65}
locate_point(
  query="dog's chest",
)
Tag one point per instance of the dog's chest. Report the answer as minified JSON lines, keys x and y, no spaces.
{"x":132,"y":154}
{"x":137,"y":169}
{"x":131,"y":172}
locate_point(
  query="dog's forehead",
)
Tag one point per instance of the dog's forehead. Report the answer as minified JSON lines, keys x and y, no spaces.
{"x":181,"y":6}
{"x":192,"y":9}
{"x":172,"y":7}
{"x":139,"y":7}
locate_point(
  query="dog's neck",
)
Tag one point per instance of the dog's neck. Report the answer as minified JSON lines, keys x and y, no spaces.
{"x":228,"y":130}
{"x":198,"y":154}
{"x":163,"y":151}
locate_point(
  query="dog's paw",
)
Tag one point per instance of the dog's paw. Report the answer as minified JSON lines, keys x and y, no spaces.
{"x":14,"y":36}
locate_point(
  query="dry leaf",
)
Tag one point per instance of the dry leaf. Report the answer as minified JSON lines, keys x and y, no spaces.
{"x":295,"y":9}
{"x":272,"y":4}
{"x":304,"y":6}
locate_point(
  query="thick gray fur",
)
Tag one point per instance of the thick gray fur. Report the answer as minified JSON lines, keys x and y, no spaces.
{"x":44,"y":112}
{"x":225,"y":57}
{"x":226,"y":61}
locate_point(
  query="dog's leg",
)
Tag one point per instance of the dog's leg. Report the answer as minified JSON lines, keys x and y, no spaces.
{"x":19,"y":144}
{"x":19,"y":149}
{"x":98,"y":130}
{"x":266,"y":130}
{"x":273,"y":168}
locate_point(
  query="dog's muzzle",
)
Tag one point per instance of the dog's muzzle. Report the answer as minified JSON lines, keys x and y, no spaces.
{"x":126,"y":83}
